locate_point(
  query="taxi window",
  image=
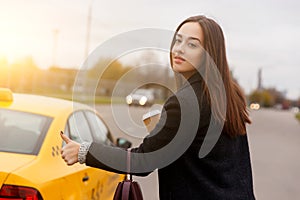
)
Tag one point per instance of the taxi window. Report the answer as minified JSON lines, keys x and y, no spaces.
{"x":22,"y":132}
{"x":79,"y":128}
{"x":98,"y":127}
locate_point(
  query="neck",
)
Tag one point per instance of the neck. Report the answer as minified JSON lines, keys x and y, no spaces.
{"x":187,"y":75}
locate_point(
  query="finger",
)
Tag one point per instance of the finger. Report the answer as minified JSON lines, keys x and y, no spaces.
{"x":70,"y":162}
{"x":65,"y":138}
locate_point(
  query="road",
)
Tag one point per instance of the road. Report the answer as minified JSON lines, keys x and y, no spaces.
{"x":274,"y":139}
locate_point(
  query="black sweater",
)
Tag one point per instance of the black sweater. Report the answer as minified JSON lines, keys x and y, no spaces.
{"x":173,"y":147}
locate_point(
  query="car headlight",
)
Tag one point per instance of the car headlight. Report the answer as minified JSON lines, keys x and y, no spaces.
{"x":254,"y":106}
{"x":143,"y":100}
{"x":257,"y":106}
{"x":129,"y":99}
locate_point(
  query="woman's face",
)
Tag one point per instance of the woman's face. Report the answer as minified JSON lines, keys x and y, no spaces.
{"x":187,"y":49}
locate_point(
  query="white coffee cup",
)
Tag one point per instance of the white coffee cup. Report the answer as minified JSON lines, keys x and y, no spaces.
{"x":151,"y":118}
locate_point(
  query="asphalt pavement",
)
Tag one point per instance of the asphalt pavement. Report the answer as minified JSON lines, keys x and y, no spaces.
{"x":274,"y":139}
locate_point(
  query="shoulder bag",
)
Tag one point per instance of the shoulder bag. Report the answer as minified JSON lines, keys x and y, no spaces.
{"x":128,"y":189}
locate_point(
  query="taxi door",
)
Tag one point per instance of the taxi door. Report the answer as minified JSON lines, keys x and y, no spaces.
{"x":90,"y":179}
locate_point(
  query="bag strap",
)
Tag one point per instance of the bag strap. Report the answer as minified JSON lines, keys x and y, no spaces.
{"x":126,"y":190}
{"x":128,"y":175}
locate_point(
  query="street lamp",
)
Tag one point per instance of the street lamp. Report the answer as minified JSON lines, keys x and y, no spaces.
{"x":83,"y":72}
{"x":88,"y":30}
{"x":54,"y":52}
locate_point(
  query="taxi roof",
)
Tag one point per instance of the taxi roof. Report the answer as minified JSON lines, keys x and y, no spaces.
{"x":43,"y":105}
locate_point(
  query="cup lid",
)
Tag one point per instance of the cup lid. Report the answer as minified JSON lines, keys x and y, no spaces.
{"x":151,"y":114}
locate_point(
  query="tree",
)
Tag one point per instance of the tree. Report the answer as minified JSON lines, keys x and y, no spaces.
{"x":268,"y":99}
{"x":277,"y":95}
{"x":264,"y":98}
{"x":22,"y":74}
{"x":105,"y":70}
{"x":255,"y":96}
{"x":62,"y":78}
{"x":4,"y":73}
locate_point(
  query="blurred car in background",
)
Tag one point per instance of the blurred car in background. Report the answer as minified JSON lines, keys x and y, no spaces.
{"x":31,"y":164}
{"x":254,"y":106}
{"x":141,"y":97}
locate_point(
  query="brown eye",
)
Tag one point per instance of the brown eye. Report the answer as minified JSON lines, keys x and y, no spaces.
{"x":177,"y":40}
{"x":192,"y":45}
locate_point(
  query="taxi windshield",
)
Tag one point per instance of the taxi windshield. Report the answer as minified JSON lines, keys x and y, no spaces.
{"x":22,"y":132}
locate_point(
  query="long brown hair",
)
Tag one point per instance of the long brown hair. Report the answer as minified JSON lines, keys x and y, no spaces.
{"x":214,"y":44}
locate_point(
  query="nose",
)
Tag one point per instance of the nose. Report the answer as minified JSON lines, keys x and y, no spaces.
{"x":179,"y":48}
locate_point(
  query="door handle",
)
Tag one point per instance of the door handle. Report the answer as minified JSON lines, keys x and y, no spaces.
{"x":85,"y":178}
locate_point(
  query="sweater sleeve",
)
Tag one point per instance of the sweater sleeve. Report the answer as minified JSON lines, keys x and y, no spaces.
{"x":114,"y":159}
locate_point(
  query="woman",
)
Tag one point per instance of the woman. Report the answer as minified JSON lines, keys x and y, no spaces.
{"x":188,"y":118}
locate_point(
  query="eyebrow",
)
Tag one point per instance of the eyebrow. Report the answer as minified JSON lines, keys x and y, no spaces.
{"x":190,"y":38}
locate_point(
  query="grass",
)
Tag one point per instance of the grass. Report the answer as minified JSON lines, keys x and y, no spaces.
{"x":298,"y":116}
{"x":90,"y":99}
{"x":80,"y":98}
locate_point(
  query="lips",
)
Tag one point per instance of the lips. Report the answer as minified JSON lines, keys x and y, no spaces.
{"x":178,"y":60}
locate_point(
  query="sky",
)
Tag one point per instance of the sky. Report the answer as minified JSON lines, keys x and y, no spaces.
{"x":259,"y":33}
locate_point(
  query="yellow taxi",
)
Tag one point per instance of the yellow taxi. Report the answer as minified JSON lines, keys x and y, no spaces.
{"x":31,"y":167}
